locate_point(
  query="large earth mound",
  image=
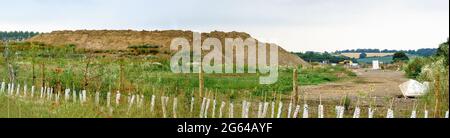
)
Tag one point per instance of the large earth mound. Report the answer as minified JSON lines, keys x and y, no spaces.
{"x":124,"y":39}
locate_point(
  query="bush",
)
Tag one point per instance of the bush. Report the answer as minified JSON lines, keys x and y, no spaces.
{"x":414,"y":67}
{"x":400,"y":56}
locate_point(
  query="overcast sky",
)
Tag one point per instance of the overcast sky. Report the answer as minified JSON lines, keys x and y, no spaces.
{"x":297,"y":25}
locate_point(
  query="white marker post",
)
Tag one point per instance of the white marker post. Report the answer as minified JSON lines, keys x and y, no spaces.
{"x":231,"y":111}
{"x":244,"y":106}
{"x":213,"y":115}
{"x":97,"y":98}
{"x":289,"y":109}
{"x":141,"y":102}
{"x":18,"y":90}
{"x":131,"y":102}
{"x":260,"y":108}
{"x":108,"y":99}
{"x":247,"y":109}
{"x":163,"y":105}
{"x":340,"y":111}
{"x":41,"y":93}
{"x":296,"y":111}
{"x":320,"y":112}
{"x":174,"y":110}
{"x":32,"y":91}
{"x":264,"y":112}
{"x":446,"y":114}
{"x":57,"y":98}
{"x":66,"y":95}
{"x":80,"y":95}
{"x":74,"y":96}
{"x":25,"y":90}
{"x":305,"y":111}
{"x":208,"y":101}
{"x":2,"y":89}
{"x":152,"y":103}
{"x":191,"y":109}
{"x":413,"y":114}
{"x":118,"y":98}
{"x":222,"y":106}
{"x":371,"y":112}
{"x":272,"y":114}
{"x":425,"y":114}
{"x":202,"y":108}
{"x":357,"y":112}
{"x":390,"y":113}
{"x":84,"y":96}
{"x":12,"y":90}
{"x":280,"y":108}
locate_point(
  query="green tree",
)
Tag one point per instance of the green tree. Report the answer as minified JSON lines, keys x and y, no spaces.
{"x":400,"y":56}
{"x":443,"y":51}
{"x":362,"y":55}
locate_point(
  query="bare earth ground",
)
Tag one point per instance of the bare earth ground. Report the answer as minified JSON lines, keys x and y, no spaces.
{"x":380,"y":85}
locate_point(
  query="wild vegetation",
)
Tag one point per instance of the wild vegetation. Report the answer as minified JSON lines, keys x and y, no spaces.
{"x":434,"y":69}
{"x":62,"y":67}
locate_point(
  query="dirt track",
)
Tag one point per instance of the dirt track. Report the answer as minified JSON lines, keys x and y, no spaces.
{"x":381,"y":85}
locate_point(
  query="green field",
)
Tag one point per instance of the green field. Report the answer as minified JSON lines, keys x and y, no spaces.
{"x":64,"y":67}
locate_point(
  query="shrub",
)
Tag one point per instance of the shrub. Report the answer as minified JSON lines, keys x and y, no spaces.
{"x":400,"y":56}
{"x":414,"y":67}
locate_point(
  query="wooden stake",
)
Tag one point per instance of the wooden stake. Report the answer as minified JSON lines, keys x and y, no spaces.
{"x":294,"y":86}
{"x":200,"y":78}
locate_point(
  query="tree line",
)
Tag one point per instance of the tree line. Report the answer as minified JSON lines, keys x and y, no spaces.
{"x":16,"y":35}
{"x":420,"y":52}
{"x":311,"y":56}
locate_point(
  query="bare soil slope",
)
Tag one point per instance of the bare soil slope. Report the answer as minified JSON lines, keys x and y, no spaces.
{"x":122,"y":39}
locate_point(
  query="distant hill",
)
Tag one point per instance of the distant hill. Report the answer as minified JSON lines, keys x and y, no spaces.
{"x":156,"y":41}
